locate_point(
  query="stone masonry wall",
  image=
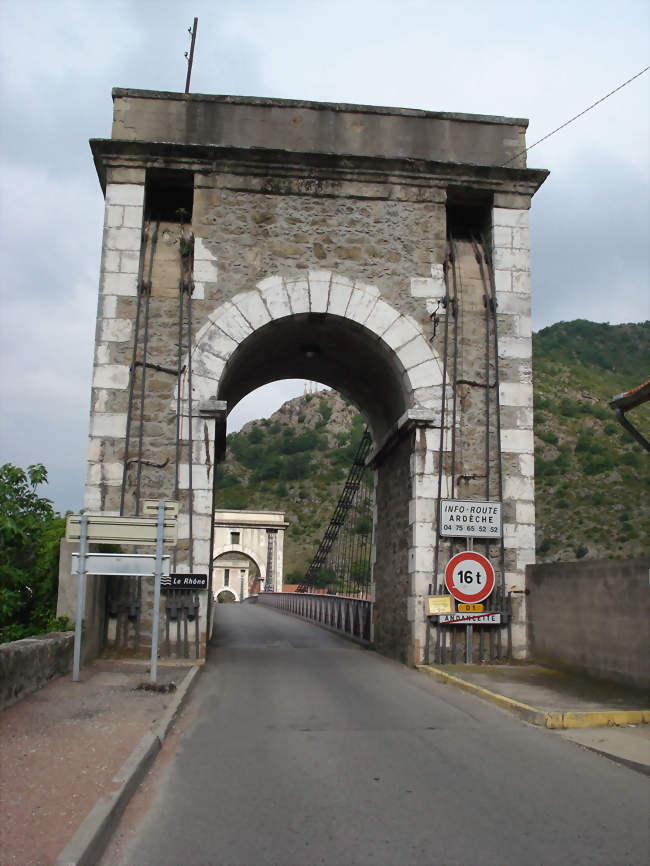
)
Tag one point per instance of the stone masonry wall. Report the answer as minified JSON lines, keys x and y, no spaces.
{"x":359,"y":240}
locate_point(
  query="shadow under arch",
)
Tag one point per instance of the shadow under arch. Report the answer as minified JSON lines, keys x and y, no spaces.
{"x":325,"y":348}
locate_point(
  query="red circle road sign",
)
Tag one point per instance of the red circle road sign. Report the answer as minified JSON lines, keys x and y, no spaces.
{"x":469,"y":576}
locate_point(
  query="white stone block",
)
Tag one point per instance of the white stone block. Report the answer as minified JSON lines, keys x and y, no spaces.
{"x":400,"y":333}
{"x":424,"y":486}
{"x":428,"y":398}
{"x":206,"y":364}
{"x":233,"y":323}
{"x":217,"y":342}
{"x":125,"y":193}
{"x":102,"y":354}
{"x":122,"y":239}
{"x":502,"y":283}
{"x":514,"y":347}
{"x":133,"y":217}
{"x":424,"y":287}
{"x":201,"y":549}
{"x":108,"y":425}
{"x":510,"y":303}
{"x":198,"y":290}
{"x":203,"y":502}
{"x":520,"y":535}
{"x":202,"y":251}
{"x":274,"y":294}
{"x":414,"y":353}
{"x":518,"y":488}
{"x":527,"y":465}
{"x":92,"y":498}
{"x":110,"y":261}
{"x":368,"y":288}
{"x":319,"y":289}
{"x":511,"y":260}
{"x":423,"y":510}
{"x":513,"y":217}
{"x":424,"y":375}
{"x":251,"y":306}
{"x":502,"y":236}
{"x":382,"y":317}
{"x":421,"y":558}
{"x":101,"y":400}
{"x":200,"y":478}
{"x":108,"y":307}
{"x":205,"y":271}
{"x":114,"y":376}
{"x":115,"y":330}
{"x":525,"y":512}
{"x":517,"y":441}
{"x":129,"y":262}
{"x":298,"y":292}
{"x":113,"y":216}
{"x":360,"y":306}
{"x":203,"y":388}
{"x":523,"y":327}
{"x":521,"y":238}
{"x":94,"y":452}
{"x":521,"y":282}
{"x":339,"y":296}
{"x":525,"y":556}
{"x":515,"y":394}
{"x":122,"y":285}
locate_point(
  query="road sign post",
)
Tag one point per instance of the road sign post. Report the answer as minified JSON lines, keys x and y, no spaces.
{"x":156,"y":592}
{"x":81,"y":580}
{"x":105,"y":528}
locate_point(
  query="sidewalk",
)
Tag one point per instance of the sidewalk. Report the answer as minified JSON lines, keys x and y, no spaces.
{"x":604,"y":717}
{"x":71,"y":752}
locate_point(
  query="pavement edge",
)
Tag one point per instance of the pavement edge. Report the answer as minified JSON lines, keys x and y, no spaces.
{"x":535,"y":716}
{"x":92,"y":836}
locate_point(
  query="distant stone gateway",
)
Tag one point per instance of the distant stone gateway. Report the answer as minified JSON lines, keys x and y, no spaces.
{"x":383,"y":252}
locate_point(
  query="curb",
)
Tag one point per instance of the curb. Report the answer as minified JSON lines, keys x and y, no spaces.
{"x":553,"y":720}
{"x":89,"y":842}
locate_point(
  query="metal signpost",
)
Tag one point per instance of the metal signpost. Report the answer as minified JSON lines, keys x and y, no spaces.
{"x":469,"y":576}
{"x":108,"y":529}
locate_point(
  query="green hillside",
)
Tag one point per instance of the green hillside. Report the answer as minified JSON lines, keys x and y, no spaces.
{"x":593,"y":479}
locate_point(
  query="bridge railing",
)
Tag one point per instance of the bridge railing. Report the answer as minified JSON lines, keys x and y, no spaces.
{"x":349,"y":616}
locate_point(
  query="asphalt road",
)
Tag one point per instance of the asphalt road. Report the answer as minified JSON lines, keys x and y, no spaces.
{"x":297,"y":748}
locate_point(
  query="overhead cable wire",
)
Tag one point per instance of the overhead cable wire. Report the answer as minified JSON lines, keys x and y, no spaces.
{"x":575,"y":117}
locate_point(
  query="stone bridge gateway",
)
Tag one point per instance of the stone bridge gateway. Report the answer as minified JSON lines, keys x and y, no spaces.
{"x":250,"y":240}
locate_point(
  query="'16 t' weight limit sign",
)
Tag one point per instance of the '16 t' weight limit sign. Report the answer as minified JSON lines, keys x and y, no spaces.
{"x":469,"y":576}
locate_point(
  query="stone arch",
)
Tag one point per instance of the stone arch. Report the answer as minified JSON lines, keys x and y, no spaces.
{"x":229,"y":589}
{"x":330,"y":304}
{"x":325,"y":327}
{"x":219,"y":551}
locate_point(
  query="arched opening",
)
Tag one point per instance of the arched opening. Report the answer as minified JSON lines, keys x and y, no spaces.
{"x":333,"y":350}
{"x":237,"y":572}
{"x":226,"y":596}
{"x":325,"y":328}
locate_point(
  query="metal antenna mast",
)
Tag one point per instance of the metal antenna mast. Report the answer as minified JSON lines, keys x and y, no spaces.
{"x":190,"y":57}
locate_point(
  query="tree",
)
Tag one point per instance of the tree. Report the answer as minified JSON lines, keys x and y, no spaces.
{"x":30,"y":534}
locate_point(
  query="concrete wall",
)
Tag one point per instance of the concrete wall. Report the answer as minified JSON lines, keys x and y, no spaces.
{"x":27,"y":664}
{"x":592,"y":615}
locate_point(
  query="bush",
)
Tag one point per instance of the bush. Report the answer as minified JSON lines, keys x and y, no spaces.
{"x":581,"y":551}
{"x":30,"y":536}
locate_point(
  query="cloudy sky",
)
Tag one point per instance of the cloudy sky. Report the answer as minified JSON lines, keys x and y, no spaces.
{"x":542,"y":60}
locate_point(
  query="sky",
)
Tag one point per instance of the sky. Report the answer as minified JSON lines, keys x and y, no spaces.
{"x":59,"y":59}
